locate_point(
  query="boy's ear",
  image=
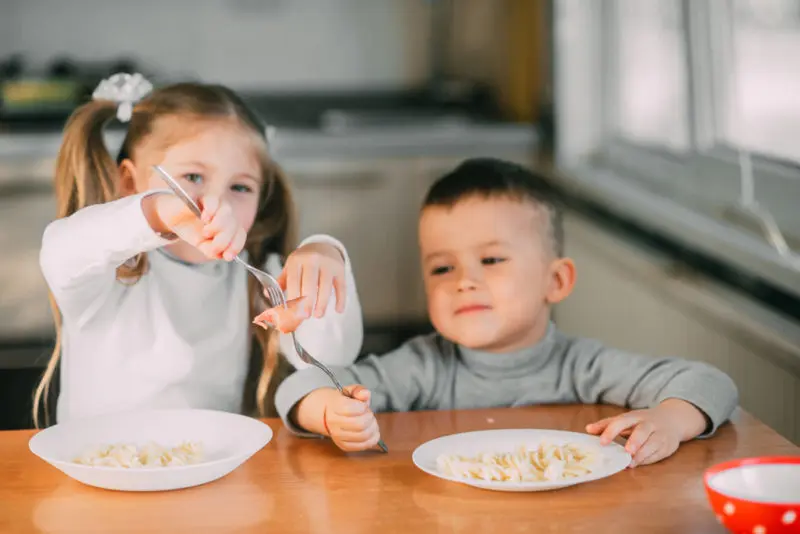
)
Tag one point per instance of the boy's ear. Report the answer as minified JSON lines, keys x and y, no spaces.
{"x":127,"y":178}
{"x":562,"y":280}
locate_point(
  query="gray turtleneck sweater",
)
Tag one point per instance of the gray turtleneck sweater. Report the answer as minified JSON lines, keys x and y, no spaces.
{"x":431,"y":373}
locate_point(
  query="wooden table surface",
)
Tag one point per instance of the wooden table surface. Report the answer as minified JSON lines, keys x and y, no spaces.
{"x":306,"y":485}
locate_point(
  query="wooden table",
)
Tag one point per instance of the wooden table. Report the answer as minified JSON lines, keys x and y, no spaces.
{"x":306,"y":485}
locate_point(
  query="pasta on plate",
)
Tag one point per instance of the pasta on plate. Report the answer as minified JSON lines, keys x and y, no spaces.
{"x":130,"y":456}
{"x":541,"y":463}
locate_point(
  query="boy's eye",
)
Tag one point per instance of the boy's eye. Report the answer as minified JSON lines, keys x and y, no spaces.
{"x":441,"y":270}
{"x":492,"y":260}
{"x":241,"y":188}
{"x":193,"y":177}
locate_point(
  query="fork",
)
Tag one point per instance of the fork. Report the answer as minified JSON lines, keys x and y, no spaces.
{"x":273,"y":290}
{"x":192,"y":205}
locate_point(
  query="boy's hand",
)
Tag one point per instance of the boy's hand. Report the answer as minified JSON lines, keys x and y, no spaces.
{"x":655,"y":433}
{"x":349,"y":422}
{"x":314,"y":271}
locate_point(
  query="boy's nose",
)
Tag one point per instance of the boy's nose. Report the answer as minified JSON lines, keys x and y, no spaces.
{"x":466,"y":285}
{"x":467,"y":282}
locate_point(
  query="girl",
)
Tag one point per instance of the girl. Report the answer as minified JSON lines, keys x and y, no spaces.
{"x":150,"y":311}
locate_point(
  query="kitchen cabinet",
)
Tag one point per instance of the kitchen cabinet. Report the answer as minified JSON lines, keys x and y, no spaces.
{"x":362,"y":204}
{"x":27,"y":205}
{"x":372,"y":206}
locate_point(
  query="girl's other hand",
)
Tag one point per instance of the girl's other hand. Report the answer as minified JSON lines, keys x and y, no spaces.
{"x":314,"y":271}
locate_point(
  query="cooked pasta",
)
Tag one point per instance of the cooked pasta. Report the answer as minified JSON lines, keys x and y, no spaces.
{"x":545,"y":462}
{"x":130,"y":456}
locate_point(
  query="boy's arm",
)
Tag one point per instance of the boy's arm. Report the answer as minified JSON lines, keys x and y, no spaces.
{"x":603,"y":375}
{"x":402,"y":380}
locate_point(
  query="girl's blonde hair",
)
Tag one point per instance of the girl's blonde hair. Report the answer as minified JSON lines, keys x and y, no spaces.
{"x":86,"y":174}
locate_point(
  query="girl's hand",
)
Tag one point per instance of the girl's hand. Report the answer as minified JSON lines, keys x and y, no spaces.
{"x":314,"y":271}
{"x":653,"y":434}
{"x":217,"y":234}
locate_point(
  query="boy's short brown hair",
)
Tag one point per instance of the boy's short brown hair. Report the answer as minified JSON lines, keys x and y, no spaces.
{"x":489,"y":177}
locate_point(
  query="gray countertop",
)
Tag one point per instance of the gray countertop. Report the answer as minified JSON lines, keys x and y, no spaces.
{"x":309,"y":143}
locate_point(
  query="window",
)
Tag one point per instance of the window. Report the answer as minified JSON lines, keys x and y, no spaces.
{"x":651,"y":97}
{"x":762,"y":91}
{"x":658,"y":100}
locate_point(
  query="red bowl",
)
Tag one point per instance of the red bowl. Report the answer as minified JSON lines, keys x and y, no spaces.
{"x":756,"y":495}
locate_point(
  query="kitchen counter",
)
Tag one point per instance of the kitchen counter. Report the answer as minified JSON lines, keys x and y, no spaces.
{"x":418,"y":140}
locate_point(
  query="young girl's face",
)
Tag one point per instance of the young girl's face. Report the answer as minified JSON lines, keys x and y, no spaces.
{"x":207,"y":157}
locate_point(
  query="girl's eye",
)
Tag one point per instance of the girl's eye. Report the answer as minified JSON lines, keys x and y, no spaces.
{"x":193,"y":177}
{"x":241,"y":188}
{"x":492,"y":261}
{"x":436,"y":271}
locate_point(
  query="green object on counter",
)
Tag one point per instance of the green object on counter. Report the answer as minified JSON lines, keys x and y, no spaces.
{"x":26,"y":94}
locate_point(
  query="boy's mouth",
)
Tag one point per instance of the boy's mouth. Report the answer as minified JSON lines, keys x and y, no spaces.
{"x":472,"y":308}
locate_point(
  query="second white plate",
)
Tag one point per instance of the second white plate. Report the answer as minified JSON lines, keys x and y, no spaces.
{"x":614,"y":457}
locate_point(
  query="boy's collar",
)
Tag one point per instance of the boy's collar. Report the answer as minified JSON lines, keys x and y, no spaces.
{"x":498,"y":364}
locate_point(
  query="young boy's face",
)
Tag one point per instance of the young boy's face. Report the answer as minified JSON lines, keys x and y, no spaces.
{"x":490,"y":273}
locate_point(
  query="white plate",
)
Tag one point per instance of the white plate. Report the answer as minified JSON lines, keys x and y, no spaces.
{"x":614,"y":457}
{"x":228,"y":441}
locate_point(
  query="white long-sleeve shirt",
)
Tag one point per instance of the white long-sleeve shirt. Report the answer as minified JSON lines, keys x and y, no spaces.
{"x":176,"y":338}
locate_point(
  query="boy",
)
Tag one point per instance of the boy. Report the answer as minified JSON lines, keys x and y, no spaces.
{"x":491,"y":242}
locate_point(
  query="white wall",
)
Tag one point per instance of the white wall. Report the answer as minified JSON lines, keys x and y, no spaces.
{"x":248,"y":44}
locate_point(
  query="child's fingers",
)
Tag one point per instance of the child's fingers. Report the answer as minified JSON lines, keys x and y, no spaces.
{"x":358,"y":392}
{"x":209,"y":208}
{"x":281,"y":279}
{"x":310,"y":282}
{"x":182,"y":217}
{"x":641,"y":433}
{"x":347,"y":407}
{"x":598,"y":426}
{"x":222,"y":220}
{"x":292,"y":273}
{"x":323,"y":294}
{"x":616,"y":426}
{"x":235,"y":246}
{"x":341,"y":292}
{"x":356,"y":429}
{"x":366,"y":439}
{"x":649,"y":449}
{"x":220,"y":242}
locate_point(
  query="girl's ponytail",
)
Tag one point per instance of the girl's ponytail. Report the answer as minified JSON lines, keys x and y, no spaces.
{"x":85,"y":171}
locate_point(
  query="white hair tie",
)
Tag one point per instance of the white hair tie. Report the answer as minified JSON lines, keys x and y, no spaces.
{"x":124,"y":89}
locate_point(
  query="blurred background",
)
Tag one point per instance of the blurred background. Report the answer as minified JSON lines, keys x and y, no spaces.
{"x":671,"y":128}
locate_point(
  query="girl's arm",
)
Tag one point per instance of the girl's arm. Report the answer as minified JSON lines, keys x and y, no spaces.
{"x":335,"y":338}
{"x":80,"y":253}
